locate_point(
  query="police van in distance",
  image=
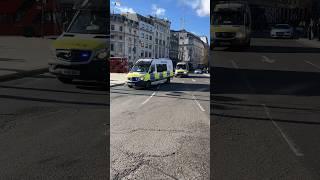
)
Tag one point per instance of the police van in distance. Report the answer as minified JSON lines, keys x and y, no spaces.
{"x":148,"y":72}
{"x":182,"y":69}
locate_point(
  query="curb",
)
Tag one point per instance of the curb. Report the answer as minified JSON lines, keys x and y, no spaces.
{"x":115,"y":85}
{"x":23,"y":74}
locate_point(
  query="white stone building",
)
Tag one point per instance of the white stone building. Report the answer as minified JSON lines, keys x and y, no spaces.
{"x":124,"y":37}
{"x":191,"y":49}
{"x":161,"y":37}
{"x":135,"y":36}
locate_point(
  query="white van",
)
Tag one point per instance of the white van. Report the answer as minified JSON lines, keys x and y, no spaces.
{"x":182,"y":69}
{"x":147,"y":72}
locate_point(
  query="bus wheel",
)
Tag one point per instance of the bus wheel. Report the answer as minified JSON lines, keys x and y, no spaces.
{"x":65,"y":80}
{"x":168,"y":80}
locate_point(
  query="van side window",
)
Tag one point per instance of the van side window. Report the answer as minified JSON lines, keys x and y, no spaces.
{"x":159,"y":67}
{"x":152,"y":69}
{"x":164,"y":67}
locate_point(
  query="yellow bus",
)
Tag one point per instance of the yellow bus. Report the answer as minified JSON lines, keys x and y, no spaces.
{"x":231,"y":24}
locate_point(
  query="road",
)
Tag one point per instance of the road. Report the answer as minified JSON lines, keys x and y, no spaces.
{"x":50,"y":130}
{"x":161,"y":133}
{"x":265,"y":111}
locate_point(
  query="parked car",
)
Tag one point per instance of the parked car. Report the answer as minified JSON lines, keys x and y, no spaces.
{"x":282,"y":31}
{"x":198,"y":71}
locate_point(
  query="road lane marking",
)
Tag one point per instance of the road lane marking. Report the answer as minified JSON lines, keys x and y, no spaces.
{"x":234,"y":64}
{"x":268,"y":60}
{"x":314,"y":65}
{"x":193,"y":80}
{"x":144,"y":102}
{"x":291,"y":144}
{"x":196,"y":101}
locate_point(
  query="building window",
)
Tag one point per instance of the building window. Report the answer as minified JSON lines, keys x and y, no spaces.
{"x":120,"y":28}
{"x":150,"y":54}
{"x":150,"y":46}
{"x":112,"y":47}
{"x":150,"y":38}
{"x":112,"y":27}
{"x":142,"y":53}
{"x":120,"y":37}
{"x":112,"y":36}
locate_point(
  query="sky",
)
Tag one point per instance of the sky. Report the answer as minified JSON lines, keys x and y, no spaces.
{"x":196,"y":13}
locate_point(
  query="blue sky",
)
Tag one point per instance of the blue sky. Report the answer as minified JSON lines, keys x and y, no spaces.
{"x":195,"y":12}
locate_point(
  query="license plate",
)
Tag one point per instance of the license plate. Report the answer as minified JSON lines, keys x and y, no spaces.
{"x":68,"y":72}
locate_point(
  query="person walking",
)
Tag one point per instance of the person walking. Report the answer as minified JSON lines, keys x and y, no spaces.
{"x":310,"y":29}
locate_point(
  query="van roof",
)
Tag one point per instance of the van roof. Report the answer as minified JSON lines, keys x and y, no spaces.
{"x":145,"y":60}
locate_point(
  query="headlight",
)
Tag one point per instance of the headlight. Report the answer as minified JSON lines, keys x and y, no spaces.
{"x":142,"y":78}
{"x":184,"y":72}
{"x":101,"y":55}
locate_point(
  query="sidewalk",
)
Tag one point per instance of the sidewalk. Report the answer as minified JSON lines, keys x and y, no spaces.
{"x":117,"y":79}
{"x":21,"y":56}
{"x":311,"y":43}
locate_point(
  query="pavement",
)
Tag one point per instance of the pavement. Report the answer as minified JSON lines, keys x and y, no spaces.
{"x":117,"y":79}
{"x":314,"y":42}
{"x":265,"y":106}
{"x":22,"y":56}
{"x":50,"y":130}
{"x":161,"y":133}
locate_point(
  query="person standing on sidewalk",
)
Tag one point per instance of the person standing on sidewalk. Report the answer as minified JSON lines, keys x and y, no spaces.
{"x":310,"y":29}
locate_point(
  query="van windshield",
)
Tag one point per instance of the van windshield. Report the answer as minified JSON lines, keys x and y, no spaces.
{"x":228,"y":17}
{"x":141,"y":66}
{"x":181,"y":66}
{"x":89,"y":22}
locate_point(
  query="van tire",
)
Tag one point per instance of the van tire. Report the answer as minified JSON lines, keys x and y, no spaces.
{"x":65,"y":80}
{"x":130,"y":86}
{"x":148,"y":85}
{"x":168,"y":80}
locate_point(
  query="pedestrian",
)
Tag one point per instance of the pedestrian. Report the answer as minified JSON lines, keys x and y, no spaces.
{"x":310,"y":30}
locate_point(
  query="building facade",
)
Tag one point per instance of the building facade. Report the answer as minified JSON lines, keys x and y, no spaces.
{"x":174,"y":46}
{"x":124,"y":37}
{"x":161,"y":37}
{"x":134,"y":36}
{"x":192,"y":49}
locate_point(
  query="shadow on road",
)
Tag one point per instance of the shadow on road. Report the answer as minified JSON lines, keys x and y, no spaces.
{"x":269,"y":82}
{"x":276,"y":49}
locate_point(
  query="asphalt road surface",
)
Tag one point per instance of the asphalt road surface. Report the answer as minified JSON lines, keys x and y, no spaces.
{"x":265,"y":111}
{"x":50,"y":130}
{"x":161,"y":133}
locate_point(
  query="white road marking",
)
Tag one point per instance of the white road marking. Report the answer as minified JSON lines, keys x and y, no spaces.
{"x":291,"y":144}
{"x":268,"y":60}
{"x":144,"y":102}
{"x":314,"y":65}
{"x":196,"y":101}
{"x":193,"y":80}
{"x":234,"y":64}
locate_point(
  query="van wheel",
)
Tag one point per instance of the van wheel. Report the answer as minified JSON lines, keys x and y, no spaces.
{"x":148,"y":85}
{"x":130,"y":86}
{"x":168,"y":80}
{"x":65,"y":80}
